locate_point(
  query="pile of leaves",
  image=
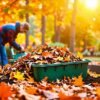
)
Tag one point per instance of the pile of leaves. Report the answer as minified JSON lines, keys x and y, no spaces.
{"x":20,"y":85}
{"x":66,"y":89}
{"x":45,"y":54}
{"x":17,"y":83}
{"x":94,"y":69}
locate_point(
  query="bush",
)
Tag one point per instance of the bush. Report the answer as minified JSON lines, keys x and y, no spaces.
{"x":57,"y":44}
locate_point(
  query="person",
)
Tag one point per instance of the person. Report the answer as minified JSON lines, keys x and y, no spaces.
{"x":92,"y":51}
{"x":8,"y":34}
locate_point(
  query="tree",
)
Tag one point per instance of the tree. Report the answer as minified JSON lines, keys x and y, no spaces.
{"x":43,"y":28}
{"x":73,"y":31}
{"x":27,"y":19}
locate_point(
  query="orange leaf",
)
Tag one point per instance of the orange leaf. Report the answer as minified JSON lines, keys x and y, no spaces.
{"x":98,"y":91}
{"x":31,"y":90}
{"x":30,"y":79}
{"x":0,"y":69}
{"x":45,"y":79}
{"x":78,"y":81}
{"x":62,"y":96}
{"x":47,"y":54}
{"x":5,"y":91}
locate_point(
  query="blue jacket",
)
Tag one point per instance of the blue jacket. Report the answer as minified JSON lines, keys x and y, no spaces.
{"x":8,"y":33}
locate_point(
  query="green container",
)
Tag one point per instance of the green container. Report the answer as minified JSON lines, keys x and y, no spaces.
{"x":19,"y":55}
{"x":58,"y":71}
{"x":11,"y":61}
{"x":16,"y":57}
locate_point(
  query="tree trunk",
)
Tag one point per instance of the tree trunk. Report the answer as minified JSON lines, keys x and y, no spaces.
{"x":73,"y":31}
{"x":57,"y":30}
{"x":43,"y":28}
{"x":27,"y":20}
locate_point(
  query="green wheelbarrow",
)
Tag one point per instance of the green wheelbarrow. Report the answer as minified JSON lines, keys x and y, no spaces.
{"x":16,"y":56}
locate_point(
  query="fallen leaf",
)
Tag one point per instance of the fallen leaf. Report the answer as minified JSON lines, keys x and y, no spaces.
{"x":19,"y":76}
{"x":0,"y":69}
{"x":50,"y":95}
{"x":98,"y":91}
{"x":12,"y":75}
{"x":5,"y":91}
{"x":63,"y":96}
{"x":30,"y":79}
{"x":31,"y":90}
{"x":45,"y":79}
{"x":93,"y":74}
{"x":47,"y":54}
{"x":78,"y":81}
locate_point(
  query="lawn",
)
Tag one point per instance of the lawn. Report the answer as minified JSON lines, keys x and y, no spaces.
{"x":97,"y":59}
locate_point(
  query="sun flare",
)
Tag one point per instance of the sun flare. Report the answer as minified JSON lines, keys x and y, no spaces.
{"x":91,"y":3}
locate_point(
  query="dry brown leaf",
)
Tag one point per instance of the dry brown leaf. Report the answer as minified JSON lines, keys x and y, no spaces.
{"x":98,"y":98}
{"x":87,"y":98}
{"x":48,"y":87}
{"x":96,"y":84}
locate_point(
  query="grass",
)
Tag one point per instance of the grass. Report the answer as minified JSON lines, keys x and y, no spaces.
{"x":97,"y":59}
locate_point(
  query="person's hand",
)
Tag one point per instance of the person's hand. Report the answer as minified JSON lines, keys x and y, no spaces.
{"x":22,"y":50}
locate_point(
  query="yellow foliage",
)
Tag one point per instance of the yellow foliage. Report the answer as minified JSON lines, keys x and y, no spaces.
{"x":21,"y":39}
{"x":19,"y":76}
{"x":79,"y":54}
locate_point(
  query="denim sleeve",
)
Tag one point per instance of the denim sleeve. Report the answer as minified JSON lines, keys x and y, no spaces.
{"x":15,"y":45}
{"x":3,"y":55}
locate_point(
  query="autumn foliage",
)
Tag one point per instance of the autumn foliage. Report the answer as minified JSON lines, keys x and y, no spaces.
{"x":5,"y":91}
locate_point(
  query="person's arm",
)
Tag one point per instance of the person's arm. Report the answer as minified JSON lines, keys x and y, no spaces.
{"x":11,"y":40}
{"x":15,"y":45}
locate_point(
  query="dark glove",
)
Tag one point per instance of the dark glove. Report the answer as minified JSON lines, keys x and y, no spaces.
{"x":22,"y":50}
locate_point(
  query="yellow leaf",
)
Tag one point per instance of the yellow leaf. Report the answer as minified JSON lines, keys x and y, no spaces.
{"x":80,"y":55}
{"x":19,"y":76}
{"x":78,"y":81}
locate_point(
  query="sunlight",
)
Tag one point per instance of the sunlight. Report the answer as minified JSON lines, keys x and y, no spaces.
{"x":92,"y":4}
{"x":3,"y":3}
